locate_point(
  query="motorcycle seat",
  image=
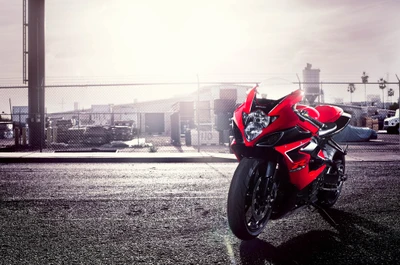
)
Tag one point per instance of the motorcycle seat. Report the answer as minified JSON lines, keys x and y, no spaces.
{"x":328,"y":129}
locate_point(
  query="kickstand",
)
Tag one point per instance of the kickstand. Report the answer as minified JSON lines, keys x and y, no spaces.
{"x":326,"y":214}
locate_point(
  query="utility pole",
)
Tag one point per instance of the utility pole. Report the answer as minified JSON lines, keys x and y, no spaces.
{"x":198,"y":114}
{"x":62,"y":104}
{"x":399,"y":89}
{"x":36,"y":72}
{"x":364,"y":79}
{"x":398,"y":79}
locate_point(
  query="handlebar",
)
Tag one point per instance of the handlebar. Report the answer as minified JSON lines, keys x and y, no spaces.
{"x":317,"y":122}
{"x":310,"y":119}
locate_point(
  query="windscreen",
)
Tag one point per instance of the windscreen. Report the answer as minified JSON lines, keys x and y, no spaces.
{"x":276,"y":88}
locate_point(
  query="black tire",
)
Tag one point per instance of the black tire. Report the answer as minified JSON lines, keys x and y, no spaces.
{"x":326,"y":199}
{"x":393,"y":130}
{"x":250,"y":198}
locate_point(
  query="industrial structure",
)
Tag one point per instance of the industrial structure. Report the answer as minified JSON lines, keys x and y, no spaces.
{"x":311,"y":80}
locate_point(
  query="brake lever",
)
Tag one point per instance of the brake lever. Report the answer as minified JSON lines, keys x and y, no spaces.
{"x":310,"y":119}
{"x":301,"y":117}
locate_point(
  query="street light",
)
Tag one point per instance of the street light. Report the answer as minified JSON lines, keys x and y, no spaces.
{"x":398,"y":79}
{"x":364,"y":79}
{"x":382,"y":85}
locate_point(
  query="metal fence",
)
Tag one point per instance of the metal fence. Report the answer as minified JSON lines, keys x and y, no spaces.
{"x":150,"y":118}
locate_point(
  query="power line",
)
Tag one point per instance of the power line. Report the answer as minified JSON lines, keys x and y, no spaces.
{"x":189,"y":83}
{"x":135,"y":84}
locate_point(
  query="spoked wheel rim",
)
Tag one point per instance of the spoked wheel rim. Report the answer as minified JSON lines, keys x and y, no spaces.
{"x":260,"y":197}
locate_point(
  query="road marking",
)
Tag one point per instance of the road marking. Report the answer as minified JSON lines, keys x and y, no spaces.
{"x":229,"y":250}
{"x":104,"y":199}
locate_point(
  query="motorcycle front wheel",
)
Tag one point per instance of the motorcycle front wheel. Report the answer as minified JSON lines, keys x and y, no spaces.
{"x":251,"y":195}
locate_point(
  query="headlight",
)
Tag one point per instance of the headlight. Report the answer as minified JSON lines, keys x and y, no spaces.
{"x":254,"y":123}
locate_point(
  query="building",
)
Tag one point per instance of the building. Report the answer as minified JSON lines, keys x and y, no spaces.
{"x":125,"y":113}
{"x":20,"y":114}
{"x":208,"y":109}
{"x":101,"y":114}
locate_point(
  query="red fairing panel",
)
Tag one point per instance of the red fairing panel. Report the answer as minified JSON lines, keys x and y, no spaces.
{"x":249,"y":100}
{"x":298,"y":169}
{"x":291,"y":118}
{"x":290,"y":100}
{"x":313,"y":113}
{"x":237,"y":116}
{"x":299,"y":172}
{"x":284,"y":108}
{"x":328,"y":113}
{"x":244,"y":107}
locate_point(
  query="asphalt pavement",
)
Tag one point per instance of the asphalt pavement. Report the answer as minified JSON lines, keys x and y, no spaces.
{"x":139,"y":213}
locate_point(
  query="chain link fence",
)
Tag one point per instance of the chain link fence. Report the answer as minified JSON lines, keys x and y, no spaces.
{"x":151,"y":118}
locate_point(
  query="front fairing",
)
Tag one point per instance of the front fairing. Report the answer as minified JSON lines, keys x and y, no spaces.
{"x":284,"y":137}
{"x":279,"y":112}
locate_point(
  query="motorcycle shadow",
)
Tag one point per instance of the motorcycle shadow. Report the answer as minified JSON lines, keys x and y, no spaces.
{"x":355,"y":241}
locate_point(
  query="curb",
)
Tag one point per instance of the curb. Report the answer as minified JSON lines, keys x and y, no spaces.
{"x":118,"y":159}
{"x":19,"y":160}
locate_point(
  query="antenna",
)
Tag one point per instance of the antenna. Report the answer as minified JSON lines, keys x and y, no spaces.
{"x":398,"y":79}
{"x":299,"y":81}
{"x":62,"y":104}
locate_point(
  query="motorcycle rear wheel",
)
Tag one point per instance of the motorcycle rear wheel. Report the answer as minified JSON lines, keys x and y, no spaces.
{"x":250,"y":198}
{"x":328,"y":198}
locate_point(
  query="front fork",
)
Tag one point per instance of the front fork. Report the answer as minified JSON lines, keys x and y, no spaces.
{"x":269,"y":185}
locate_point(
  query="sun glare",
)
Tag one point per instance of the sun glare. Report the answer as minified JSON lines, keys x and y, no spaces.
{"x":140,"y":38}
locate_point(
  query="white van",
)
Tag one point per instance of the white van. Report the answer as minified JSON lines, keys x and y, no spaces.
{"x":391,"y":125}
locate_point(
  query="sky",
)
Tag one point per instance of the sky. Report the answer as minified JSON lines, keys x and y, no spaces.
{"x":102,"y":41}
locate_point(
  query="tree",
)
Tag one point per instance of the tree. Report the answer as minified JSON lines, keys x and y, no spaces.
{"x":382,"y":85}
{"x":351,"y":88}
{"x":390,"y":93}
{"x":394,"y":106}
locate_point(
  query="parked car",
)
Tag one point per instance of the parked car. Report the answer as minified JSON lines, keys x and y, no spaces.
{"x":391,"y":124}
{"x":75,"y":135}
{"x":96,"y":135}
{"x":6,"y":130}
{"x":129,"y":123}
{"x":63,"y":126}
{"x":355,"y":134}
{"x":121,"y":133}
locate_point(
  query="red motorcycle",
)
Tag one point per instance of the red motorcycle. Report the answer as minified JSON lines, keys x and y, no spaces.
{"x":287,"y":159}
